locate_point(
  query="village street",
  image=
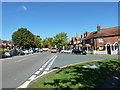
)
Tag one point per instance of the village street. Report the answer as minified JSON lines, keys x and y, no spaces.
{"x":19,"y":69}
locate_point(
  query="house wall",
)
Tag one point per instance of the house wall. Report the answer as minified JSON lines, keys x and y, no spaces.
{"x":107,"y":41}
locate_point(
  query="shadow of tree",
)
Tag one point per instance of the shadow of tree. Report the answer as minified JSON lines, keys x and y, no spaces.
{"x":85,"y":77}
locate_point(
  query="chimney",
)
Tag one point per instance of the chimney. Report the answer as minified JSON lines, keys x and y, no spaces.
{"x":77,"y":35}
{"x":98,"y":27}
{"x":81,"y":36}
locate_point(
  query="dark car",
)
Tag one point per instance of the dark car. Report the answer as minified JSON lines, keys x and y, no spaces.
{"x":20,"y":52}
{"x":77,"y":51}
{"x":2,"y":54}
{"x":14,"y":52}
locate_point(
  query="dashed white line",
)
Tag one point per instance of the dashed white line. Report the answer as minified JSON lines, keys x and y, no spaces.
{"x":44,"y":72}
{"x":47,"y":68}
{"x":43,"y":66}
{"x":37,"y":72}
{"x":20,"y":60}
{"x":32,"y":77}
{"x":41,"y":69}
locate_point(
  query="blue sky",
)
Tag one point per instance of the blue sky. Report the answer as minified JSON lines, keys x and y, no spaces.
{"x":50,"y":18}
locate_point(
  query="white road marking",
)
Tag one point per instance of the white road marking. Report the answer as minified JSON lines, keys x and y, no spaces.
{"x":32,"y":77}
{"x":49,"y":66}
{"x":41,"y":69}
{"x":21,"y":60}
{"x":37,"y":72}
{"x":44,"y":72}
{"x":47,"y":69}
{"x":43,"y":66}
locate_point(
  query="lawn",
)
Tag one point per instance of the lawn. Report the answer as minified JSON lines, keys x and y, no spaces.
{"x":76,"y":76}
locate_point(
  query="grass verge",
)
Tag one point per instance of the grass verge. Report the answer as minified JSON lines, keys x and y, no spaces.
{"x":76,"y":76}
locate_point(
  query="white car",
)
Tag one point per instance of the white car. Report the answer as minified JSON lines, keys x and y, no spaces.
{"x":25,"y":51}
{"x":53,"y":50}
{"x":66,"y":51}
{"x":30,"y":51}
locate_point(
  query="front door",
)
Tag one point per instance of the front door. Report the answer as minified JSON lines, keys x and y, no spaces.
{"x":108,"y":49}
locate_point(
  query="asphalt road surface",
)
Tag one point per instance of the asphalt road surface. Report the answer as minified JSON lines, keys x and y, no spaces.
{"x":17,"y":70}
{"x":20,"y":69}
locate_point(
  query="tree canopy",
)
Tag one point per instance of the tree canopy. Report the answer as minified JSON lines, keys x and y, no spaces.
{"x":23,"y":38}
{"x":37,"y":42}
{"x":48,"y":43}
{"x":60,"y":40}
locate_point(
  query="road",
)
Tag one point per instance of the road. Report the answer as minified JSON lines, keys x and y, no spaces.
{"x":17,"y":70}
{"x":20,"y":69}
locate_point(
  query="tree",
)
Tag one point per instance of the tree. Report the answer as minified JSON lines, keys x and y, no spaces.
{"x":23,"y":38}
{"x":37,"y":42}
{"x":60,"y":40}
{"x":48,"y":43}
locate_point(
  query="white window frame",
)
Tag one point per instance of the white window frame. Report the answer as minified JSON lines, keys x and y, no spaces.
{"x":101,"y":40}
{"x":101,"y":47}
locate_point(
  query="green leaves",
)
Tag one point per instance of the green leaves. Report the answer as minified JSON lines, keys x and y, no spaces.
{"x":23,"y":38}
{"x":60,"y":40}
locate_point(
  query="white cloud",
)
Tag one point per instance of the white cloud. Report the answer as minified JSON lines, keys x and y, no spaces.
{"x":24,"y":8}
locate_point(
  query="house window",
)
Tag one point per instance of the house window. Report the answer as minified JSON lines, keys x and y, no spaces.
{"x":101,"y":47}
{"x":91,"y":41}
{"x":101,"y":40}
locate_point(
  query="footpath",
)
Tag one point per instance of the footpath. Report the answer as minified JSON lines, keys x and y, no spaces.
{"x":114,"y":81}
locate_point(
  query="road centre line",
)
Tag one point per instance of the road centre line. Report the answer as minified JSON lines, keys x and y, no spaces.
{"x":21,"y":60}
{"x":32,"y":77}
{"x":48,"y":67}
{"x":37,"y":72}
{"x":41,"y":69}
{"x":24,"y":85}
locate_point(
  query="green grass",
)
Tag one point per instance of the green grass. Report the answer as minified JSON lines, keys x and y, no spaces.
{"x":76,"y":76}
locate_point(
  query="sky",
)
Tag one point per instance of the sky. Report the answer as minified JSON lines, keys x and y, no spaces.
{"x":50,"y":18}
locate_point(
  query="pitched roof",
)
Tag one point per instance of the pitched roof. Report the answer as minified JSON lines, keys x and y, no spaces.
{"x":104,"y":32}
{"x":91,"y":35}
{"x":108,"y":31}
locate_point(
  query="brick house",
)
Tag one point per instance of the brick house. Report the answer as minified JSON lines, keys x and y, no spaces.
{"x":5,"y":45}
{"x":102,"y":41}
{"x":75,"y":43}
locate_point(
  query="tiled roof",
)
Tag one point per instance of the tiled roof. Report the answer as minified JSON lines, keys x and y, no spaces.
{"x":104,"y":32}
{"x":108,"y":32}
{"x":4,"y":41}
{"x":75,"y":38}
{"x":91,"y":35}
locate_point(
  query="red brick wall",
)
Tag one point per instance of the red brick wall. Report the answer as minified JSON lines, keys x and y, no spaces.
{"x":110,"y":40}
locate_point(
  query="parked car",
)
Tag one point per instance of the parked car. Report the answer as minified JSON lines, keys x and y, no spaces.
{"x":20,"y":52}
{"x":77,"y":51}
{"x":14,"y":52}
{"x":25,"y":51}
{"x":2,"y":54}
{"x":8,"y":53}
{"x":53,"y":50}
{"x":66,"y":51}
{"x":41,"y":50}
{"x":60,"y":50}
{"x":31,"y":51}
